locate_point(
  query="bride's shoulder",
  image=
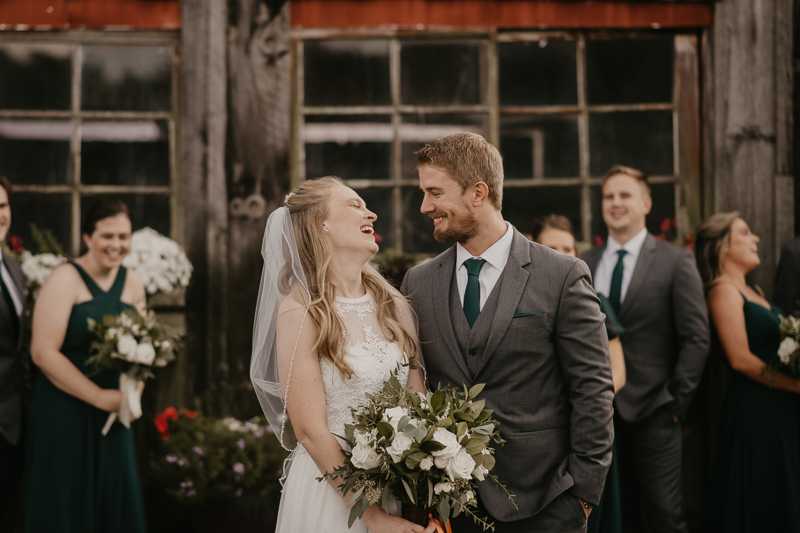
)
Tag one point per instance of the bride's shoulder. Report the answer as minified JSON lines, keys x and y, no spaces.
{"x":290,"y":306}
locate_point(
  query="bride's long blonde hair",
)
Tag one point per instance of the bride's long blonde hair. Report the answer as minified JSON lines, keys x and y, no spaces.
{"x":308,"y":206}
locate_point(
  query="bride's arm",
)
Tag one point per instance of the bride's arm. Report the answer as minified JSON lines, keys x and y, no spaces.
{"x":415,"y":382}
{"x":727,"y":314}
{"x":306,"y":406}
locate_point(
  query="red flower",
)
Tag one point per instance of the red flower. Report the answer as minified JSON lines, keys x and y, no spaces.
{"x":162,"y":426}
{"x":690,"y":241}
{"x":187,"y":413}
{"x":378,"y":238}
{"x":170,"y":413}
{"x":16,"y":243}
{"x":598,"y":240}
{"x":668,"y":223}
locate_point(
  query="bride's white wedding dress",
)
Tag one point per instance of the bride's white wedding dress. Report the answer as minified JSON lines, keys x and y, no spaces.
{"x":311,"y":506}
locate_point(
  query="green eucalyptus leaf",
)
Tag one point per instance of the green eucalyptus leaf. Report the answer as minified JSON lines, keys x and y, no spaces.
{"x":475,"y":390}
{"x":409,"y":492}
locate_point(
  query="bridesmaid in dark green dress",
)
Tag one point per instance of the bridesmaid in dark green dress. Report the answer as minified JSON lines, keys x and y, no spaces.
{"x":556,"y":232}
{"x":755,"y":479}
{"x":78,"y":480}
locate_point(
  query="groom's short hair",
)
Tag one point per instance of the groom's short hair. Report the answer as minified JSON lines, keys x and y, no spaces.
{"x":469,"y":159}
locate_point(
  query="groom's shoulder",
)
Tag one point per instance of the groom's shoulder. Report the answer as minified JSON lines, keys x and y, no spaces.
{"x":427,"y":267}
{"x":543,"y":257}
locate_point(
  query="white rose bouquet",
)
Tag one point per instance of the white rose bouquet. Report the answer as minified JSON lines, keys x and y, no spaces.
{"x":134,"y":344}
{"x":789,"y":350}
{"x":160,"y":261}
{"x":37,"y":268}
{"x":428,"y":451}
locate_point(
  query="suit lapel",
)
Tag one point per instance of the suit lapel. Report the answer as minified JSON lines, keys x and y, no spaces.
{"x":441,"y":304}
{"x":19,"y":281}
{"x":643,"y":264}
{"x":512,"y":285}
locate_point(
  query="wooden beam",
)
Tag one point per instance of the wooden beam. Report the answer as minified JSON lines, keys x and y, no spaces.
{"x":90,"y":14}
{"x":428,"y":14}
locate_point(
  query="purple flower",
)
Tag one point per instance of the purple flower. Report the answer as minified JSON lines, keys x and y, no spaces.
{"x":279,"y":472}
{"x":171,"y":458}
{"x":238,"y":468}
{"x":240,"y":444}
{"x":186,"y":484}
{"x":239,"y":493}
{"x":199,"y":451}
{"x":182,"y":462}
{"x":258,"y":433}
{"x":191,"y":493}
{"x":269,"y":429}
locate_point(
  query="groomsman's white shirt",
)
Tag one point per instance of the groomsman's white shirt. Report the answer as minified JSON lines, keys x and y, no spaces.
{"x":496,"y":257}
{"x":12,"y":286}
{"x":602,"y":277}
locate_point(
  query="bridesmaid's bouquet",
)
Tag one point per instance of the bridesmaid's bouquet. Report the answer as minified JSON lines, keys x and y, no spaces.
{"x":789,"y":350}
{"x":134,"y":344}
{"x":428,"y":451}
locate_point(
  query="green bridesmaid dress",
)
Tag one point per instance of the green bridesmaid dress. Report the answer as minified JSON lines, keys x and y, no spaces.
{"x":607,"y":516}
{"x":79,"y":481}
{"x":755,"y":479}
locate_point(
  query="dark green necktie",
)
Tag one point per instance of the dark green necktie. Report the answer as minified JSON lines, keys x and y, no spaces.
{"x":616,"y":281}
{"x":472,"y":296}
{"x":10,"y":303}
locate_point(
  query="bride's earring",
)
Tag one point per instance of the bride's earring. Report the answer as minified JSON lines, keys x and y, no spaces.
{"x":326,"y":230}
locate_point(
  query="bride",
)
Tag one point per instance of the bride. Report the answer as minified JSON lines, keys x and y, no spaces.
{"x":329,"y":330}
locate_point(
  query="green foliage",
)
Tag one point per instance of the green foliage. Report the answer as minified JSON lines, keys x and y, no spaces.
{"x":210,"y":460}
{"x":45,"y":241}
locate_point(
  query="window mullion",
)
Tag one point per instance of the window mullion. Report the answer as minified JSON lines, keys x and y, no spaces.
{"x":397,"y":144}
{"x":493,"y":90}
{"x":583,"y":140}
{"x":75,"y":151}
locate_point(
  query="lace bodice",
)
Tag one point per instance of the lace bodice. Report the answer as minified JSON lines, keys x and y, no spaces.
{"x":369,"y":355}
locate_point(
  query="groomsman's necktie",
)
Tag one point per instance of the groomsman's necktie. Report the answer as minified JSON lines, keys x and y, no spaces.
{"x":616,"y":281}
{"x":10,"y":303}
{"x":472,"y":296}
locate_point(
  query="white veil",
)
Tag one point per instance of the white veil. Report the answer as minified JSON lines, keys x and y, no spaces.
{"x":282,"y":273}
{"x":282,"y":270}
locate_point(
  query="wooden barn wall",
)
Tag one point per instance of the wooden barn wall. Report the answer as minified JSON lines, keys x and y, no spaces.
{"x":90,"y":14}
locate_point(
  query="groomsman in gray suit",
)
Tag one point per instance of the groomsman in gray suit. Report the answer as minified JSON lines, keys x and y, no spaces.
{"x":14,"y":371}
{"x":498,"y":309}
{"x":657,"y":293}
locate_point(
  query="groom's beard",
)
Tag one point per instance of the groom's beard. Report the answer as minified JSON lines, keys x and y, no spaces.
{"x":463,"y":231}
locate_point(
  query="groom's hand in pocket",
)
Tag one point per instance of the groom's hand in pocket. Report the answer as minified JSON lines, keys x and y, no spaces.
{"x":378,"y":521}
{"x":586,"y":510}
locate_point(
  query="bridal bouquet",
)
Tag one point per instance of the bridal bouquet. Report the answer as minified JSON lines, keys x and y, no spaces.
{"x":135,"y":345}
{"x":428,"y":451}
{"x":789,"y":350}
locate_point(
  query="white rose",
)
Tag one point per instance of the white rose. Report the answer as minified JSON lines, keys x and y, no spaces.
{"x":479,"y":472}
{"x":470,"y":495}
{"x":394,"y":415}
{"x":145,"y":353}
{"x":427,"y":463}
{"x":449,"y":441}
{"x":460,"y":466}
{"x":126,"y":346}
{"x":442,"y":487}
{"x":362,"y":439}
{"x":365,"y":457}
{"x":786,"y":349}
{"x":166,"y":346}
{"x":400,"y":444}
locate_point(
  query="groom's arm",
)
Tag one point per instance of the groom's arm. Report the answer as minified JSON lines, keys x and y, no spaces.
{"x":582,"y":347}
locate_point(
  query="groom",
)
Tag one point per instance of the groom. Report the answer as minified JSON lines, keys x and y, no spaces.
{"x":525,"y":320}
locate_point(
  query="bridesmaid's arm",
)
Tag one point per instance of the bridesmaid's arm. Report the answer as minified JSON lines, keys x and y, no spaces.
{"x":50,"y":320}
{"x":306,"y":406}
{"x":618,"y":371}
{"x":133,"y":293}
{"x":727,"y":312}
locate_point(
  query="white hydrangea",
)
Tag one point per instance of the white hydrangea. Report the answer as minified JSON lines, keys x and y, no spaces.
{"x":160,"y":261}
{"x":38,"y":267}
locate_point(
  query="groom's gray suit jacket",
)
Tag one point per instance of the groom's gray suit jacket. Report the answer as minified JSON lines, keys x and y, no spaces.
{"x":15,"y":387}
{"x":540,"y":346}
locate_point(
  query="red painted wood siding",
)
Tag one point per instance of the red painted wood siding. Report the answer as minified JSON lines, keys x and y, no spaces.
{"x":428,"y":14}
{"x":90,"y":14}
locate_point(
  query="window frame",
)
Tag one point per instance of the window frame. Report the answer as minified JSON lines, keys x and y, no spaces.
{"x":75,"y":188}
{"x":685,"y":108}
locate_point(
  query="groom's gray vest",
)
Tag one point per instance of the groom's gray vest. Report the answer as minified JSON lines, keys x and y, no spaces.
{"x":540,"y":346}
{"x":472,"y":341}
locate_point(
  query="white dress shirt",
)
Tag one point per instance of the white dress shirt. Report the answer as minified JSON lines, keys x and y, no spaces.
{"x":496,"y":257}
{"x":12,"y":286}
{"x":605,"y":268}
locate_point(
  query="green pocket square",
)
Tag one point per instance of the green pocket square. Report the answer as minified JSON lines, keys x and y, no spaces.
{"x":520,"y":315}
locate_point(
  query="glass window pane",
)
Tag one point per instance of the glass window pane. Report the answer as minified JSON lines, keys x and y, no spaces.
{"x":629,"y":71}
{"x":442,"y":73}
{"x":124,"y":153}
{"x":379,"y":201}
{"x":418,"y":228}
{"x":419,"y":129}
{"x":35,"y":152}
{"x":126,"y":78}
{"x":35,"y":76}
{"x":521,"y":206}
{"x":147,"y":210}
{"x":540,"y":147}
{"x":642,"y":140}
{"x":51,"y":212}
{"x":663,"y":208}
{"x":339,"y":73}
{"x":538,"y":73}
{"x":349,"y":146}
